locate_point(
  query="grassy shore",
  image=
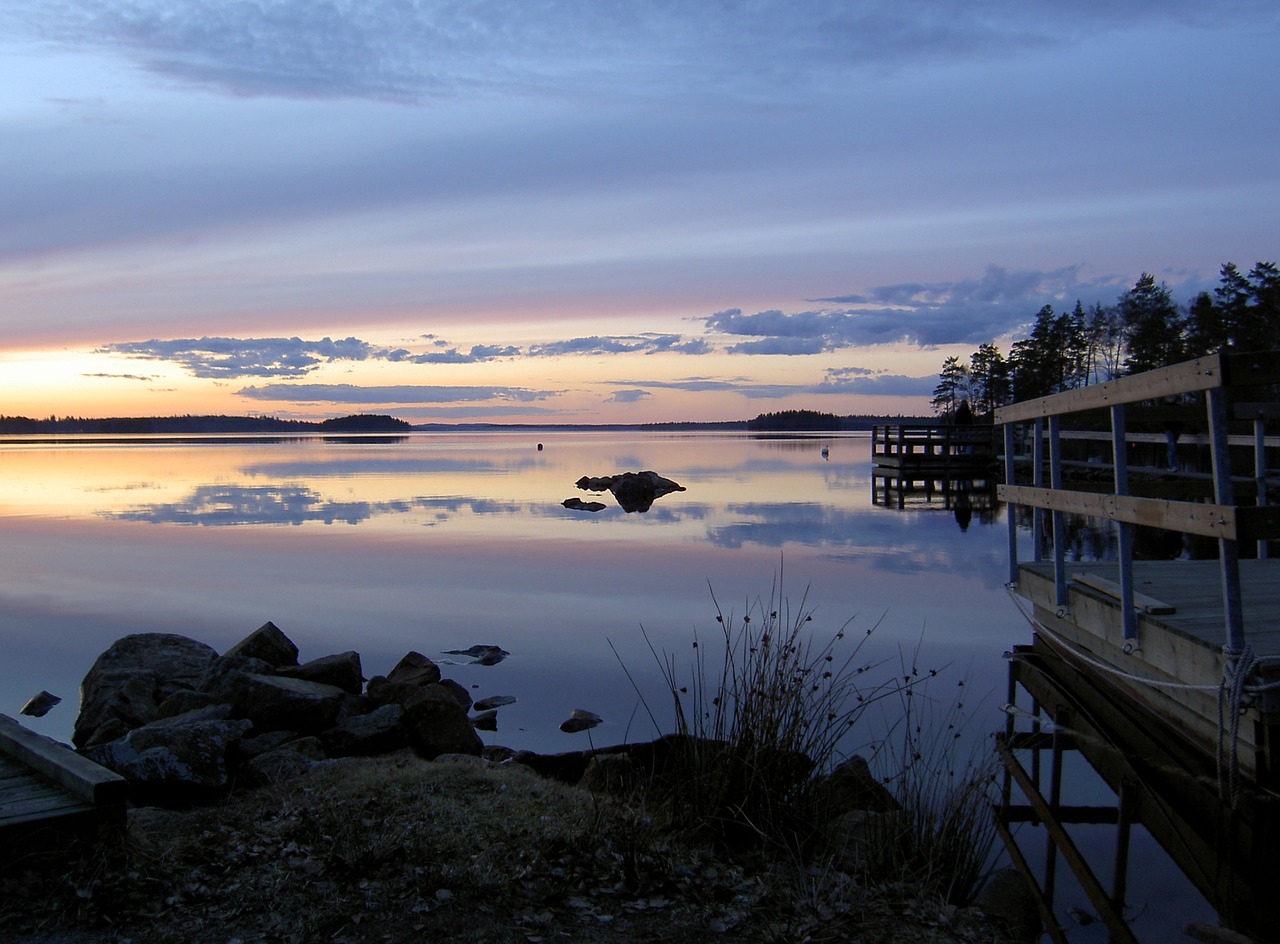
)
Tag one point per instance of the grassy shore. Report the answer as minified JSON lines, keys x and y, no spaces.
{"x":399,"y":849}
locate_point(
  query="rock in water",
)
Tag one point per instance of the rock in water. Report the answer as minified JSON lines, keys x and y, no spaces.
{"x":38,"y":705}
{"x":580,"y":720}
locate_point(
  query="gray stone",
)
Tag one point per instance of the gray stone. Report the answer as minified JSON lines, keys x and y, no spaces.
{"x":128,"y":681}
{"x":341,"y":670}
{"x":415,"y":669}
{"x":460,"y":694}
{"x":609,"y":773}
{"x":181,"y":702}
{"x":213,"y":680}
{"x":437,"y":724}
{"x":251,"y":747}
{"x":1007,"y":901}
{"x":177,"y":760}
{"x":852,"y":786}
{"x":378,"y":732}
{"x":269,"y":644}
{"x":273,"y":703}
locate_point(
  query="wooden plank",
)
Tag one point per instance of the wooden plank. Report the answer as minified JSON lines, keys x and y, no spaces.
{"x":1215,"y":521}
{"x":1187,"y":377}
{"x":1140,"y":600}
{"x":59,"y":763}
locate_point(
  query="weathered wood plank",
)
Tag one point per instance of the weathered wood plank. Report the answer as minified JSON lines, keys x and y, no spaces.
{"x":1140,"y":600}
{"x":1187,"y":377}
{"x":55,"y":760}
{"x":1214,"y":521}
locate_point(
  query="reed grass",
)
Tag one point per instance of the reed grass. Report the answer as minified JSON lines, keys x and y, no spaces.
{"x":770,"y":702}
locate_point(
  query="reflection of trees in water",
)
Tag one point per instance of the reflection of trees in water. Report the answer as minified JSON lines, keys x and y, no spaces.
{"x":215,"y":505}
{"x":1088,"y":539}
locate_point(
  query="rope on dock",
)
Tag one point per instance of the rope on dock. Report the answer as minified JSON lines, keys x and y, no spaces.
{"x":1234,"y":693}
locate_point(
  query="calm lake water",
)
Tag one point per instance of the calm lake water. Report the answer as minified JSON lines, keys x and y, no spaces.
{"x":439,"y":541}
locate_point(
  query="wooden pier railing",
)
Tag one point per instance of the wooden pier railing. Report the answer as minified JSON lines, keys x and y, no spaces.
{"x":1202,"y":399}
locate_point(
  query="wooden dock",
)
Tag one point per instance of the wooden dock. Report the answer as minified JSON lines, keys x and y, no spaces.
{"x":48,"y":792}
{"x":1196,"y":642}
{"x":1164,"y":673}
{"x":1175,"y":668}
{"x":924,"y":460}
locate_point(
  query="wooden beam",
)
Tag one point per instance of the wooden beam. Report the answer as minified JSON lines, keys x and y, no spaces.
{"x":53,"y":759}
{"x":1215,"y":521}
{"x":1187,"y":377}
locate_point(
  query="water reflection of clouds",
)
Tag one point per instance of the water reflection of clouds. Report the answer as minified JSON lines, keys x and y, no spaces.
{"x":901,"y":543}
{"x":356,"y":468}
{"x":223,"y":505}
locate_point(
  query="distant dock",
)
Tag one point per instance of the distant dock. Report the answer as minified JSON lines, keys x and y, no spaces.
{"x":928,"y":459}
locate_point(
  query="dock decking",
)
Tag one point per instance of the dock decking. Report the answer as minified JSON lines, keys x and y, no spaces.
{"x":46,"y":787}
{"x":1175,"y":666}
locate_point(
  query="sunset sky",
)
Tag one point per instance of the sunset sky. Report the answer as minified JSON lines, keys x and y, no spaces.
{"x":600,"y":211}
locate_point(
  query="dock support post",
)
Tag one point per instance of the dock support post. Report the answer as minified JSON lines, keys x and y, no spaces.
{"x":1124,"y":531}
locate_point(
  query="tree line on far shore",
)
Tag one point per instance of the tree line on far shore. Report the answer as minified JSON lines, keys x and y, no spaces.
{"x":1143,"y":330}
{"x":362,"y":423}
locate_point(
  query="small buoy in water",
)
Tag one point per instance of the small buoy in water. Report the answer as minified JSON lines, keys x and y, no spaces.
{"x":38,"y":706}
{"x":539,"y":447}
{"x":826,"y":453}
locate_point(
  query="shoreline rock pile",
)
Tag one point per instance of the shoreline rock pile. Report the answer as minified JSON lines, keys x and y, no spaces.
{"x":181,"y":722}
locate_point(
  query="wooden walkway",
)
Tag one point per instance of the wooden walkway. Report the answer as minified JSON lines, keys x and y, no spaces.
{"x":48,"y":790}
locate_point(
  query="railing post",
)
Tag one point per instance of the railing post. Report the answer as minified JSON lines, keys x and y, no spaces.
{"x":1124,"y":532}
{"x":1037,"y":479}
{"x":1228,"y":553}
{"x":1059,"y":521}
{"x":1010,"y":514}
{"x":1260,"y":473}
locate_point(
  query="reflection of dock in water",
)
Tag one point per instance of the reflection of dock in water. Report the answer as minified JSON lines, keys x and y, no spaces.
{"x":1160,"y":781}
{"x":949,"y":467}
{"x":1176,"y":661}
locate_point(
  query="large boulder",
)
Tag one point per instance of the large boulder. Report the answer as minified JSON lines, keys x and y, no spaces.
{"x":274,"y":703}
{"x":379,"y":732}
{"x":404,"y":681}
{"x":269,"y":644}
{"x":126,"y":684}
{"x":852,"y":786}
{"x":438,"y":724}
{"x":341,"y":670}
{"x":175,"y":761}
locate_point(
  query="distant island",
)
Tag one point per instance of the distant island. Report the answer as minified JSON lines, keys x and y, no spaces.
{"x":362,"y":423}
{"x":785,"y":421}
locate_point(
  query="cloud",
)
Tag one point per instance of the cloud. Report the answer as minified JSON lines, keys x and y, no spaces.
{"x":221,"y":358}
{"x":965,"y":311}
{"x":441,"y":50}
{"x":478,"y":354}
{"x":145,"y":378}
{"x":408,"y":393}
{"x":630,"y":395}
{"x":624,"y":344}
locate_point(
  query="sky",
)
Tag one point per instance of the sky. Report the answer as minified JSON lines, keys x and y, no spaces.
{"x":597,"y":211}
